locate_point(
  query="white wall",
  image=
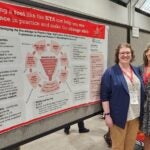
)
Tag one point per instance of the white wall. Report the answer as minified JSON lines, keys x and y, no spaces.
{"x":142,"y":21}
{"x":103,"y":9}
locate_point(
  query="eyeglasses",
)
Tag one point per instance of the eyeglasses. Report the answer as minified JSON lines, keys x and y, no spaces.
{"x":125,"y":53}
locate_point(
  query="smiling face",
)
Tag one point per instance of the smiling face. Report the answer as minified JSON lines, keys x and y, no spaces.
{"x":125,"y":55}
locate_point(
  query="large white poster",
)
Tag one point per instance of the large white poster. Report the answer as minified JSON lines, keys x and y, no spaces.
{"x":49,"y":63}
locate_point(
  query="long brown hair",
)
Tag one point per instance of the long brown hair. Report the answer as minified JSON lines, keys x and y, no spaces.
{"x":145,"y":60}
{"x":126,"y":45}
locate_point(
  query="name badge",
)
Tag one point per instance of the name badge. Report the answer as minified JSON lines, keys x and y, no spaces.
{"x":134,"y":97}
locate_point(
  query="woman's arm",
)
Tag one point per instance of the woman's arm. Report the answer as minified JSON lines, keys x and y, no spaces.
{"x":108,"y":119}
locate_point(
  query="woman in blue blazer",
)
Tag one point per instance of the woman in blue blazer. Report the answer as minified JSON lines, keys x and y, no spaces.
{"x":145,"y":72}
{"x":122,"y":96}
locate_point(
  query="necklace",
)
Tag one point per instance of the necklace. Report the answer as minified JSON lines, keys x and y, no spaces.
{"x":128,"y":75}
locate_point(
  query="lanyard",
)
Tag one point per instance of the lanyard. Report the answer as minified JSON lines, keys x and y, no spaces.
{"x":130,"y":77}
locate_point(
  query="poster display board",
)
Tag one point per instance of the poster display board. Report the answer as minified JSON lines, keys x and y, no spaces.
{"x":50,"y":63}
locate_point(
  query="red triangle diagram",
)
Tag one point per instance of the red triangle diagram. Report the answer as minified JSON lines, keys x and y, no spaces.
{"x":49,"y":64}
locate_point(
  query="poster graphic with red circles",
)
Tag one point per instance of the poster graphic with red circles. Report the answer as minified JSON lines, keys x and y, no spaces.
{"x":49,"y":63}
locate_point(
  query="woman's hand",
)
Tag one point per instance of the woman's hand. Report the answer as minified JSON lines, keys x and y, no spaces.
{"x":108,"y":121}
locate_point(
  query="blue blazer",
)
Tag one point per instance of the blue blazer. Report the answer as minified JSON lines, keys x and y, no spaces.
{"x":115,"y":90}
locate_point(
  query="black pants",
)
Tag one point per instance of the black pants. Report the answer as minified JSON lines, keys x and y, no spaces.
{"x":80,"y":126}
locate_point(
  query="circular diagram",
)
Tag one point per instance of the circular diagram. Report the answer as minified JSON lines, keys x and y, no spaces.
{"x":47,"y":66}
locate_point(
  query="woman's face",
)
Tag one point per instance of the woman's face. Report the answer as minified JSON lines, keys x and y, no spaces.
{"x":148,"y":55}
{"x":125,"y":55}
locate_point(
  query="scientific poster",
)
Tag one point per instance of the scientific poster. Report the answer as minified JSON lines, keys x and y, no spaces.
{"x":49,"y":62}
